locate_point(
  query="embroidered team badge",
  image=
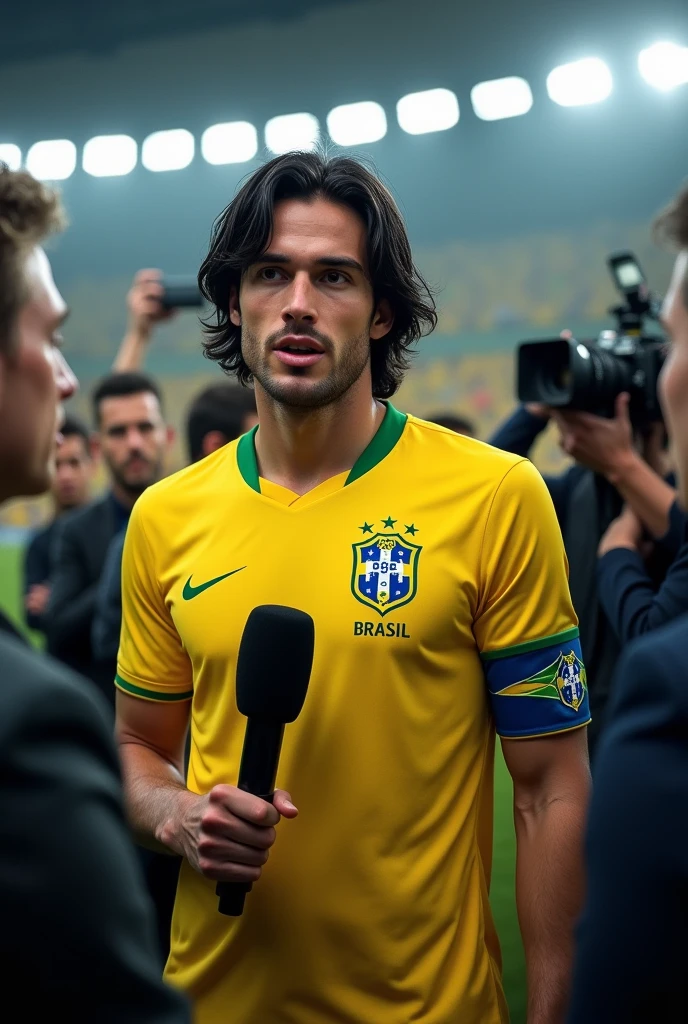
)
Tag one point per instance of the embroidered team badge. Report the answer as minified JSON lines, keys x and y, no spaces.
{"x":571,"y":679}
{"x":564,"y":679}
{"x":385,"y":572}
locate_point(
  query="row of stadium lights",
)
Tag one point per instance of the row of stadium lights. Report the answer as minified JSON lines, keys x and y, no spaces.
{"x":663,"y":65}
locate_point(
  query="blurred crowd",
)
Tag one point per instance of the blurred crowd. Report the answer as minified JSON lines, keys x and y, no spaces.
{"x":621,"y":517}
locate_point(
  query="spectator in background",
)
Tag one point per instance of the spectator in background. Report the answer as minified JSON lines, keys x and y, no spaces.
{"x":587,"y":497}
{"x":633,"y":937}
{"x":133,"y":440}
{"x":75,"y":931}
{"x":145,"y":311}
{"x":220,"y":413}
{"x":70,"y":488}
{"x":459,"y":424}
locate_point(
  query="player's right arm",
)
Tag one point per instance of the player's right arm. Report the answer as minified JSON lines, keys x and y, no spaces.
{"x":224,"y":834}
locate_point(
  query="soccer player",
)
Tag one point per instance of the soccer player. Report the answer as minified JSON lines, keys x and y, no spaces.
{"x":434,"y":570}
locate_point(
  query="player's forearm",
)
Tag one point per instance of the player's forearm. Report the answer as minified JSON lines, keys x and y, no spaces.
{"x":132,"y":352}
{"x":156,"y":798}
{"x":549,"y":894}
{"x":649,"y":496}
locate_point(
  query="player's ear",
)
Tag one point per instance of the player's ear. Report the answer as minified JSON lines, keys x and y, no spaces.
{"x":382,"y":321}
{"x":234,"y":309}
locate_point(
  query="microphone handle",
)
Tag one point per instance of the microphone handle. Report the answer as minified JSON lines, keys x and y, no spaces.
{"x":257,"y":773}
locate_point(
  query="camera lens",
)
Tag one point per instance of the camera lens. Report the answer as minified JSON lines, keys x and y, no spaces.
{"x":570,"y":374}
{"x":562,"y":381}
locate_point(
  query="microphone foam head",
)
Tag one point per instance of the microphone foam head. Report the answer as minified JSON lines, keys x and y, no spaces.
{"x":274,"y":663}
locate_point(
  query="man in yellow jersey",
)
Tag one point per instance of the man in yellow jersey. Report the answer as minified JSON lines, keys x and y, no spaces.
{"x":433,"y":567}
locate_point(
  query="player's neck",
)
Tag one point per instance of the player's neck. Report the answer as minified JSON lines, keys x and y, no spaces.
{"x":301,"y":448}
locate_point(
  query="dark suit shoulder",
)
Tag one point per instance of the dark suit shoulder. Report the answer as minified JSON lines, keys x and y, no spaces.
{"x":67,"y":856}
{"x":35,"y":687}
{"x":72,"y":523}
{"x":41,"y":537}
{"x":651,"y":674}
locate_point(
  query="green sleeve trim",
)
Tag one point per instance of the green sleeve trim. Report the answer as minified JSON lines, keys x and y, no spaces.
{"x":139,"y":691}
{"x":388,"y":433}
{"x":247,"y":461}
{"x":531,"y":645}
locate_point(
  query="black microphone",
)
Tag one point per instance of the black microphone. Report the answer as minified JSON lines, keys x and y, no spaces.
{"x":273,"y":671}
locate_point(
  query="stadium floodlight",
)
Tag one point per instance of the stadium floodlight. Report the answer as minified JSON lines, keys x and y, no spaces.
{"x":292,"y":131}
{"x":500,"y":98}
{"x":580,"y":83}
{"x":10,"y":155}
{"x":230,"y":143}
{"x":356,"y":123}
{"x":664,"y":65}
{"x":168,"y":151}
{"x":434,"y":110}
{"x":52,"y":159}
{"x":109,"y":156}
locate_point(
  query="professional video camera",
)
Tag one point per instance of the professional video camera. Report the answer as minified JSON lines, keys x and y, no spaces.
{"x":588,"y":375}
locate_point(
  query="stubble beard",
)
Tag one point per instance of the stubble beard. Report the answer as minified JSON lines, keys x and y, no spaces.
{"x":286,"y":390}
{"x":135,"y":488}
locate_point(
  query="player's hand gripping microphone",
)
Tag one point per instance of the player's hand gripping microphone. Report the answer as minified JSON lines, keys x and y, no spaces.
{"x":273,"y":671}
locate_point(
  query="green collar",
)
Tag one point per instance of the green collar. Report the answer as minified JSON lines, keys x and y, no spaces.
{"x":388,"y":433}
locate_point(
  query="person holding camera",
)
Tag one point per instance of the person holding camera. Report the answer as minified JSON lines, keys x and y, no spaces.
{"x":628,"y":595}
{"x":612,"y":465}
{"x":633,"y":936}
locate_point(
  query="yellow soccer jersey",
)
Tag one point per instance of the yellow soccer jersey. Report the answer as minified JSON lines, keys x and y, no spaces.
{"x":436,"y":577}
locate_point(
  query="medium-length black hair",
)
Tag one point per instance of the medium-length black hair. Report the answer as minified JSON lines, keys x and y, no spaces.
{"x":242,"y":232}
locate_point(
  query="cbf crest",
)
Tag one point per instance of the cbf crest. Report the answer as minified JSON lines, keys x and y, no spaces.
{"x":385,"y":572}
{"x":571,"y":679}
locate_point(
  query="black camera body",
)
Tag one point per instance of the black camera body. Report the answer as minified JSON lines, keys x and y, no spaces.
{"x":588,"y":375}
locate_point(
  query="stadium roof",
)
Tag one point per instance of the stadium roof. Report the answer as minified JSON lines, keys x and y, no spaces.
{"x":45,"y":28}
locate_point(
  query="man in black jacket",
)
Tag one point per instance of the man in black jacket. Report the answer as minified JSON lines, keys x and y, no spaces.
{"x":633,"y":939}
{"x":219,"y":414}
{"x":76,"y":940}
{"x":133,"y":440}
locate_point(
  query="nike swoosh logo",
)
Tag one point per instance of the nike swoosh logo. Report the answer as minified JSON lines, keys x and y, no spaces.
{"x":189,"y":592}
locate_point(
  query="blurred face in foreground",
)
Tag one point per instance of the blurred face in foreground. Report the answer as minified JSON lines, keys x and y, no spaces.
{"x":34,"y":381}
{"x":306,"y":308}
{"x":674,"y":378}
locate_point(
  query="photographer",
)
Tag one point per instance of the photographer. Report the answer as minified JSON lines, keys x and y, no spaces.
{"x":632,"y":940}
{"x":145,"y":311}
{"x":632,"y":603}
